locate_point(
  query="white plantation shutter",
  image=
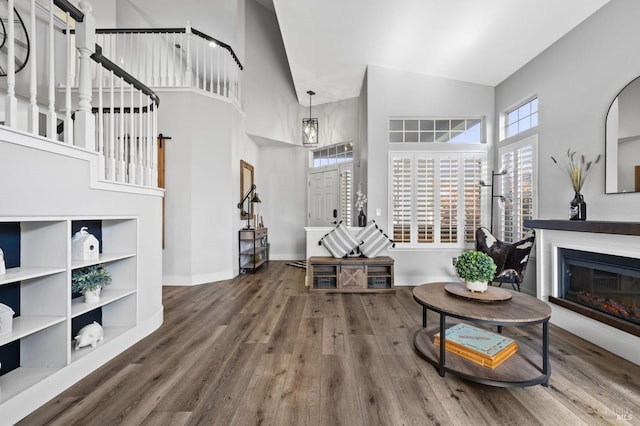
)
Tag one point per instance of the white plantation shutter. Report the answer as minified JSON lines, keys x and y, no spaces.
{"x":345,"y":197}
{"x":434,"y":197}
{"x":401,"y":184}
{"x":472,"y":197}
{"x":518,"y":185}
{"x":425,"y":199}
{"x":448,"y":174}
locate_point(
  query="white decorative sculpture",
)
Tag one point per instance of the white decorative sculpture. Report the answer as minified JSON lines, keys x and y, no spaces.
{"x":84,"y":245}
{"x":90,"y":334}
{"x":3,"y":268}
{"x":6,"y":319}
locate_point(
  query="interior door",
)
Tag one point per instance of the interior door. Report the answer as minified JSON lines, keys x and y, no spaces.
{"x":323,"y":198}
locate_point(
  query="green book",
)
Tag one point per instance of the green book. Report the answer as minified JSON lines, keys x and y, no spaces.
{"x":478,"y":340}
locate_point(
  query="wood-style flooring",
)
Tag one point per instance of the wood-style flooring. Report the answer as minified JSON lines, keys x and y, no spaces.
{"x":260,"y":350}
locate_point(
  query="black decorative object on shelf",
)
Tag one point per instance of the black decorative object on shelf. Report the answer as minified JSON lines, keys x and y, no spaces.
{"x":578,"y":208}
{"x":362,"y":219}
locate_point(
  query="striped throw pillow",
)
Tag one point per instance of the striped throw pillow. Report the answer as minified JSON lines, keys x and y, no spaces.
{"x":375,"y":243}
{"x":339,"y":241}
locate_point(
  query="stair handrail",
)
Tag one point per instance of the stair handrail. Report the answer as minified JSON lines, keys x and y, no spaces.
{"x":119,"y":72}
{"x":176,"y":30}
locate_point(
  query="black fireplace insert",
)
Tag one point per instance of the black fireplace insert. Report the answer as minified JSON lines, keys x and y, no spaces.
{"x":604,"y":283}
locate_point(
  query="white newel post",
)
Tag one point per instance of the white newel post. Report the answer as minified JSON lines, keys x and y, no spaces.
{"x":11,"y":102}
{"x":86,"y":43}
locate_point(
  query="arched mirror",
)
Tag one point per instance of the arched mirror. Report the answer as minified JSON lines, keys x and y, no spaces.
{"x":622,"y":139}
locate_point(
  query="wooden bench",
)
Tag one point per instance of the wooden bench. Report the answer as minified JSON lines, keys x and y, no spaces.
{"x":350,"y":274}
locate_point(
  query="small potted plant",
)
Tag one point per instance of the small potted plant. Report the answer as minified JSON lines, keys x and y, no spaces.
{"x":476,"y":269}
{"x":89,"y":281}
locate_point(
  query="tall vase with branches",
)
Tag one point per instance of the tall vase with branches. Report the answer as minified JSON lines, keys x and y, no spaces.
{"x":577,"y":168}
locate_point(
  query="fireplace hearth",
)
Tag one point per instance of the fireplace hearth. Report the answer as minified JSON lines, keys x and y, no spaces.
{"x":601,"y":286}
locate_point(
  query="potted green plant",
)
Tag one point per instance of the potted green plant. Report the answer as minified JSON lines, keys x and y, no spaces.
{"x":89,"y":281}
{"x":476,"y":269}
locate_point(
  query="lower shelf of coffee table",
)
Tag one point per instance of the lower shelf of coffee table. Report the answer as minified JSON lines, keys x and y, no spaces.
{"x":524,"y":368}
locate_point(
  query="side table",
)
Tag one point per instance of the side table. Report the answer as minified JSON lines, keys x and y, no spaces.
{"x":527,"y":367}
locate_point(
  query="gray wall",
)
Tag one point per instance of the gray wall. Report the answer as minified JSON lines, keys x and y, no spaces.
{"x":576,"y":79}
{"x":393,"y":93}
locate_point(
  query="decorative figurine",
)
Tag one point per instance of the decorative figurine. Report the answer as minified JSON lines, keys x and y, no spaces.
{"x":6,"y":319}
{"x":84,"y":245}
{"x":90,"y":334}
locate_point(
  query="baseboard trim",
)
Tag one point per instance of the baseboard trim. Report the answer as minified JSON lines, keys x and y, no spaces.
{"x":191,"y":280}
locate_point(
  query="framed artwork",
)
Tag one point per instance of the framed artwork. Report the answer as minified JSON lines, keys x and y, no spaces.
{"x":246,"y":180}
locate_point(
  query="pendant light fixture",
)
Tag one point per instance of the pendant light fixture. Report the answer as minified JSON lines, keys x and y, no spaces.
{"x":310,"y":127}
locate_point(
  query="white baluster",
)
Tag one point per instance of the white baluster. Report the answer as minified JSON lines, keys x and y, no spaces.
{"x":140,"y":157}
{"x":111,"y":161}
{"x":52,"y":117}
{"x":33,"y":113}
{"x":219,"y":71}
{"x":68,"y":123}
{"x":189,"y":38}
{"x":211,"y":81}
{"x":11,"y":102}
{"x":154,"y":143}
{"x":85,"y":42}
{"x":149,"y":144}
{"x":182,"y":77}
{"x":132,"y":140}
{"x":121,"y":141}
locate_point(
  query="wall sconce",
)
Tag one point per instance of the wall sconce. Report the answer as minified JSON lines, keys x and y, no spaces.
{"x":254,"y":199}
{"x":310,"y":127}
{"x":501,"y":198}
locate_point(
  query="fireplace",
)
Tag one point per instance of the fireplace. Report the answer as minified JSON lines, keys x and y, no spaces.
{"x":602,"y":286}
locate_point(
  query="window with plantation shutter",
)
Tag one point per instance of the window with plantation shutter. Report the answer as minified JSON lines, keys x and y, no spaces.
{"x":435,"y":197}
{"x":345,"y":195}
{"x":401,"y":198}
{"x":448,"y":174}
{"x":518,"y":187}
{"x":472,"y":197}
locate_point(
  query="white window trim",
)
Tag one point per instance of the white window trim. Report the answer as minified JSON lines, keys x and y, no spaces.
{"x":512,"y":147}
{"x":414,"y":154}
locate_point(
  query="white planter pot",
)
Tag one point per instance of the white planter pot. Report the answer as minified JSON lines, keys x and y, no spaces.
{"x":92,"y":295}
{"x":476,"y":286}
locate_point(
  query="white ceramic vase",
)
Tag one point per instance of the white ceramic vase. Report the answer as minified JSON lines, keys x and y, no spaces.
{"x":476,"y":286}
{"x":92,"y":295}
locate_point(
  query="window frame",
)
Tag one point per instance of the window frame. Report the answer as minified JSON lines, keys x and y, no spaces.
{"x":437,"y":156}
{"x":435,"y":130}
{"x":514,"y":147}
{"x":504,"y":124}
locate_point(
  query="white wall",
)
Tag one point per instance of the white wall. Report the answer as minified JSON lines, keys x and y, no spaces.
{"x":202,"y":186}
{"x":576,"y":79}
{"x":216,"y":18}
{"x":393,"y":93}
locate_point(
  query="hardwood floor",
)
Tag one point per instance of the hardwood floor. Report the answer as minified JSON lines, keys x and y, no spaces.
{"x":259,"y":349}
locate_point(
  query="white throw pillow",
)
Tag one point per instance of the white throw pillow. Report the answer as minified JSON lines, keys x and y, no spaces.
{"x":339,"y":241}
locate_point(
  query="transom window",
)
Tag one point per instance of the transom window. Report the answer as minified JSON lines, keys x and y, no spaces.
{"x":334,"y":154}
{"x":455,"y":131}
{"x":521,"y":118}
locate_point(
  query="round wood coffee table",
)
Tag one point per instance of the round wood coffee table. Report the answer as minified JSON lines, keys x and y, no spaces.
{"x":527,"y":367}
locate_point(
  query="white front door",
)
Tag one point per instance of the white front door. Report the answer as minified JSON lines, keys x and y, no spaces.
{"x":323,"y":198}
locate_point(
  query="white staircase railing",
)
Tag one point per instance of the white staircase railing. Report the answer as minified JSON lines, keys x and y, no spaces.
{"x":176,"y":57}
{"x":56,"y":98}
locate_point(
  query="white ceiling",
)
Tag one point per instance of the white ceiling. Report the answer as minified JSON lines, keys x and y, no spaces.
{"x":329,"y":43}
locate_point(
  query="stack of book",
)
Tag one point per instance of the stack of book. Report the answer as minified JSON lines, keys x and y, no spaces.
{"x":478,"y":345}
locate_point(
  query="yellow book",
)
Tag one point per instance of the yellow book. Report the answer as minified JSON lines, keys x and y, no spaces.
{"x":477,"y":345}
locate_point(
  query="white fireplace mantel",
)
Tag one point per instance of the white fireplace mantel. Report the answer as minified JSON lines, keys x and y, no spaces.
{"x":616,"y":238}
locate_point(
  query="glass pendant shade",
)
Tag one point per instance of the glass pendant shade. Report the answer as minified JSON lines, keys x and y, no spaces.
{"x":310,"y":127}
{"x":310,"y":131}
